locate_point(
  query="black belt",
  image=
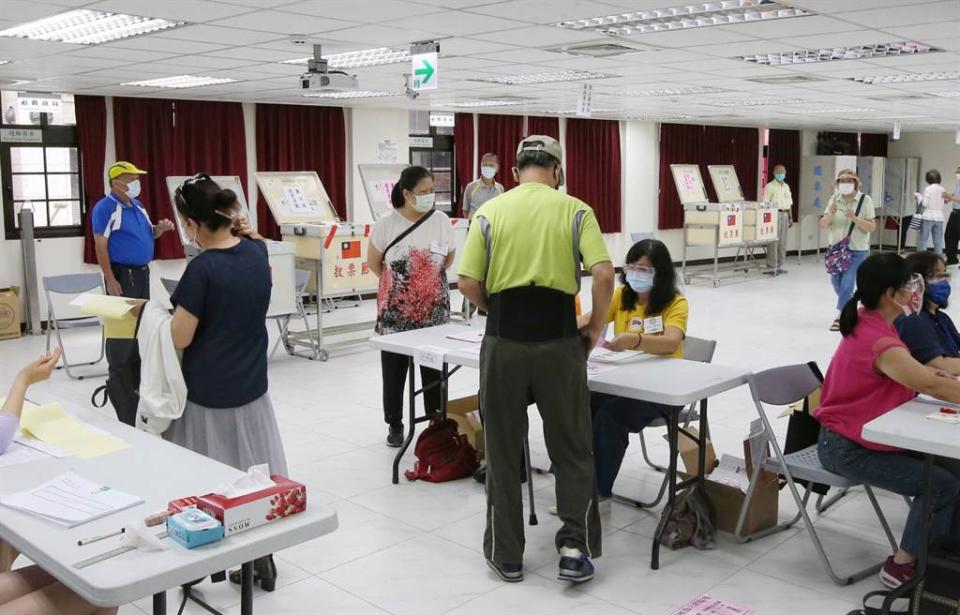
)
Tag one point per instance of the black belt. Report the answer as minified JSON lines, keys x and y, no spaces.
{"x":130,"y":267}
{"x":532,"y":314}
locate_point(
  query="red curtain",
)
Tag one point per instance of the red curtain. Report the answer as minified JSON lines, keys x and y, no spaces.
{"x":783,"y":147}
{"x":547,"y":126}
{"x":302,"y":138}
{"x":178,"y":137}
{"x":463,"y":152}
{"x":500,"y":135}
{"x":705,"y":145}
{"x":92,"y":134}
{"x":593,"y":168}
{"x":873,"y":144}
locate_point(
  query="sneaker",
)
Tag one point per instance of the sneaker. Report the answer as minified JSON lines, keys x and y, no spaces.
{"x":782,"y":271}
{"x":575,"y":566}
{"x":893,"y":575}
{"x":395,"y":436}
{"x":511,"y":573}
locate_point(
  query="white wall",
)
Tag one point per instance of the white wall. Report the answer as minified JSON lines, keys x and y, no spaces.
{"x":367,"y":129}
{"x":936,"y":150}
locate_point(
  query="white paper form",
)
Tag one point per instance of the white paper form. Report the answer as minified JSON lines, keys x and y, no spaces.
{"x":71,"y":500}
{"x":18,"y":454}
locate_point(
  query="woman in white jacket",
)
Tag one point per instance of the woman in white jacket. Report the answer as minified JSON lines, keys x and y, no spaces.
{"x":931,"y":220}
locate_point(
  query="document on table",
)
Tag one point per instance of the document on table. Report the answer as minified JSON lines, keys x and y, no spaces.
{"x":18,"y":454}
{"x":71,"y":500}
{"x":55,"y":427}
{"x":604,"y":355}
{"x":595,"y":369}
{"x":468,"y":335}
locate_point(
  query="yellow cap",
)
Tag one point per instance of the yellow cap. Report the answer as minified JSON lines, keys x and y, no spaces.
{"x":119,"y":168}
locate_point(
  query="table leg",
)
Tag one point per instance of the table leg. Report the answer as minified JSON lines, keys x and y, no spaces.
{"x":673,"y":434}
{"x":444,"y":390}
{"x":246,"y":589}
{"x":412,"y":416}
{"x":160,"y":603}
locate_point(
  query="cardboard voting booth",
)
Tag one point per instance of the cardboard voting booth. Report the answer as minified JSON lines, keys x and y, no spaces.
{"x":759,"y":218}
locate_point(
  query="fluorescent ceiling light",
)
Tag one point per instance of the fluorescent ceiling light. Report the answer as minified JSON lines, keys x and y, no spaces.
{"x":357,"y":59}
{"x":357,"y":94}
{"x":2,"y":62}
{"x":908,"y":78}
{"x":657,"y":118}
{"x":948,"y":94}
{"x":755,"y":102}
{"x":551,"y":77}
{"x":857,"y":52}
{"x":484,"y":102}
{"x":574,"y":111}
{"x":85,"y":27}
{"x":681,"y":91}
{"x":700,"y":15}
{"x":180,"y":81}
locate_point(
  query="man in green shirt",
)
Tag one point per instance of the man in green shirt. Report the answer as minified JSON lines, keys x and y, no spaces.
{"x":521,"y":264}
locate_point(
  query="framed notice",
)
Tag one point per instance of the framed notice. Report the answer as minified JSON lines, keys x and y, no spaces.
{"x":689,"y":183}
{"x":297,"y":196}
{"x":378,"y":181}
{"x":725,"y":182}
{"x":224,"y":181}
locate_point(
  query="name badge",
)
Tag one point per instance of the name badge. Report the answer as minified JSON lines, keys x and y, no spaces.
{"x":636,"y":325}
{"x":653,"y":325}
{"x":439,"y":248}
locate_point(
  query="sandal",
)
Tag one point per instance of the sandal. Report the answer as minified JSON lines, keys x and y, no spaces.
{"x":836,"y":325}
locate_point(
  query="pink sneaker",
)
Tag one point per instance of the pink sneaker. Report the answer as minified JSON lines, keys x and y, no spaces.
{"x":893,"y":575}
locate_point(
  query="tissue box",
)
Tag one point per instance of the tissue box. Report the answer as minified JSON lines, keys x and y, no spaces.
{"x":248,"y":511}
{"x":176,"y":506}
{"x":192,"y":528}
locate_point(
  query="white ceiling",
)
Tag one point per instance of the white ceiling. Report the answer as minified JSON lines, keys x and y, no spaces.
{"x":245,"y":40}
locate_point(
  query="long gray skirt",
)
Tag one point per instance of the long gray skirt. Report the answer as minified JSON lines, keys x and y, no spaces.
{"x":240,"y":437}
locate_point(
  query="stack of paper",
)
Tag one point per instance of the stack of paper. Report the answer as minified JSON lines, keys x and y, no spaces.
{"x":18,"y":453}
{"x":468,"y":335}
{"x":64,"y":431}
{"x":114,"y":312}
{"x":604,"y":355}
{"x":71,"y":500}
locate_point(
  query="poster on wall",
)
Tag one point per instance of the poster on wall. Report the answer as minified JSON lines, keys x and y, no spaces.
{"x":378,"y":181}
{"x":231,"y":182}
{"x":689,"y":183}
{"x":297,"y":196}
{"x":725,"y":182}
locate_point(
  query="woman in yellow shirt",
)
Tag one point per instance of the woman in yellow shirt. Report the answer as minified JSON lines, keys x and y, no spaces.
{"x":648,"y":314}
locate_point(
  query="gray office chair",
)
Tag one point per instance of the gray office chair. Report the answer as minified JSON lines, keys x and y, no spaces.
{"x":694,"y":349}
{"x":300,"y":281}
{"x":783,"y":386}
{"x":73,"y":284}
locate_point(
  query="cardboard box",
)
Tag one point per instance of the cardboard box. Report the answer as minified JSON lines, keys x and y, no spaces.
{"x":9,"y":312}
{"x":466,"y":413}
{"x":284,"y":498}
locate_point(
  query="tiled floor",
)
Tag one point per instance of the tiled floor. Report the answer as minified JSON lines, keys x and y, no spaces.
{"x":415,"y":548}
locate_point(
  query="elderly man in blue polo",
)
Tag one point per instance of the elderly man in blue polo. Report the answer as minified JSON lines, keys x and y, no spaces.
{"x":124,"y":235}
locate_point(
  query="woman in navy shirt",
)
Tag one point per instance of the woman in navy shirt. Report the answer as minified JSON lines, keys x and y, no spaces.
{"x":931,"y":335}
{"x":220,"y":324}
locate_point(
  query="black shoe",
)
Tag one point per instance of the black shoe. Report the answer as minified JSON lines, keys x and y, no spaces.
{"x":395,"y":436}
{"x":575,"y":566}
{"x":264,"y":573}
{"x":511,"y":573}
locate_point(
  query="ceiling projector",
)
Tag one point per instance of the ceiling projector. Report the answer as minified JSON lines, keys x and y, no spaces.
{"x":319,"y":78}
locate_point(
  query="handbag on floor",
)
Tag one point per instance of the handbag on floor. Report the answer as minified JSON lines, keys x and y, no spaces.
{"x":443,"y":454}
{"x":838,"y":257}
{"x":691,"y":522}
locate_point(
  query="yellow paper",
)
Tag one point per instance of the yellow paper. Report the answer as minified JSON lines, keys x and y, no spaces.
{"x":124,"y":328}
{"x":52,"y":425}
{"x":105,"y":306}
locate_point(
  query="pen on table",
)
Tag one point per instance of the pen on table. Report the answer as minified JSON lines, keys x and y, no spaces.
{"x":86,"y":541}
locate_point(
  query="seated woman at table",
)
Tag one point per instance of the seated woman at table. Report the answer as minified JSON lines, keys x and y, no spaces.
{"x":220,"y":324}
{"x":648,"y":314}
{"x":31,"y":590}
{"x":931,"y":335}
{"x":872,"y":372}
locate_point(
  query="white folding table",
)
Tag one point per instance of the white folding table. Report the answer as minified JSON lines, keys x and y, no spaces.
{"x":907,"y":427}
{"x":156,"y":471}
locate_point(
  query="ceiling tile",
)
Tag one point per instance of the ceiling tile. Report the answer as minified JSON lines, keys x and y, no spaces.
{"x":832,"y":6}
{"x":179,"y":10}
{"x":364,"y":11}
{"x":906,"y":15}
{"x":535,"y":11}
{"x":283,"y":23}
{"x":218,"y":34}
{"x":538,"y":36}
{"x":104,"y":51}
{"x":153,"y":43}
{"x":371,"y":36}
{"x":259,"y":54}
{"x":21,"y":11}
{"x":460,"y":46}
{"x":530,"y":56}
{"x":692,"y":37}
{"x":457,"y":23}
{"x":794,"y":26}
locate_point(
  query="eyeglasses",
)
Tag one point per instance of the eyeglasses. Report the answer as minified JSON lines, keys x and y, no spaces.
{"x":639,"y":269}
{"x":940,"y":277}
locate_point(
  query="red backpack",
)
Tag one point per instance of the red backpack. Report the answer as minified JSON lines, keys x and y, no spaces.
{"x":443,"y":454}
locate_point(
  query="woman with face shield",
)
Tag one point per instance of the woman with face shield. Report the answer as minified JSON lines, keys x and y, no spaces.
{"x":849,"y":217}
{"x":930,"y":334}
{"x":873,"y":372}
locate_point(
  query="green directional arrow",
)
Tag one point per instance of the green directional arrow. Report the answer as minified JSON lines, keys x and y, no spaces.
{"x":426,"y":72}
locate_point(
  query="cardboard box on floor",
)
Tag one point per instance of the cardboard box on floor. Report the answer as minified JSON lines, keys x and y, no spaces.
{"x":466,"y":412}
{"x":9,"y":312}
{"x":728,"y":500}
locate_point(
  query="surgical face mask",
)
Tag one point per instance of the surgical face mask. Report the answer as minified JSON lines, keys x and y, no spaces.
{"x":640,"y":281}
{"x":846,"y":188}
{"x":424,"y":202}
{"x":939,"y":292}
{"x":780,"y":176}
{"x":133,"y":189}
{"x":488,"y":172}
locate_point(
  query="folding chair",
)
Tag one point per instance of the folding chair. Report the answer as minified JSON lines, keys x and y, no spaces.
{"x":73,"y":284}
{"x":783,"y":386}
{"x":300,"y":281}
{"x":694,"y":349}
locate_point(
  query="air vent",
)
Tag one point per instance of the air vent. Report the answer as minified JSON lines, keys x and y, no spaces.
{"x":600,"y":49}
{"x":787,"y":79}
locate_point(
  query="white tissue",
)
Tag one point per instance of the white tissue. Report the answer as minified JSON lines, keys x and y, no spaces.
{"x":136,"y":534}
{"x":256,"y":478}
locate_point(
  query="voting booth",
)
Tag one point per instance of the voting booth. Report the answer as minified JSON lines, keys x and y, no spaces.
{"x":759,"y":218}
{"x":335,"y":252}
{"x":283,"y":297}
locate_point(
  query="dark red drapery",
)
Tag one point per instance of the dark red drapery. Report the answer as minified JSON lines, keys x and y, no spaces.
{"x":463,"y":151}
{"x":593,"y":168}
{"x":92,"y":134}
{"x":500,"y":135}
{"x":873,"y":144}
{"x":302,"y":138}
{"x":178,"y":137}
{"x":547,"y":126}
{"x":704,"y":145}
{"x":783,"y":147}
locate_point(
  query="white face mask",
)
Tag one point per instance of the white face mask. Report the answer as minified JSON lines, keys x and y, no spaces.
{"x":424,"y":202}
{"x":846,"y":188}
{"x":488,"y":172}
{"x":133,"y":189}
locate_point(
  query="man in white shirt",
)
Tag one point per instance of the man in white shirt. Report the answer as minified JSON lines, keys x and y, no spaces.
{"x":778,"y":193}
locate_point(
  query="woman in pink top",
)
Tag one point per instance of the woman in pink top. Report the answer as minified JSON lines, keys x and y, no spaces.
{"x":871,"y":373}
